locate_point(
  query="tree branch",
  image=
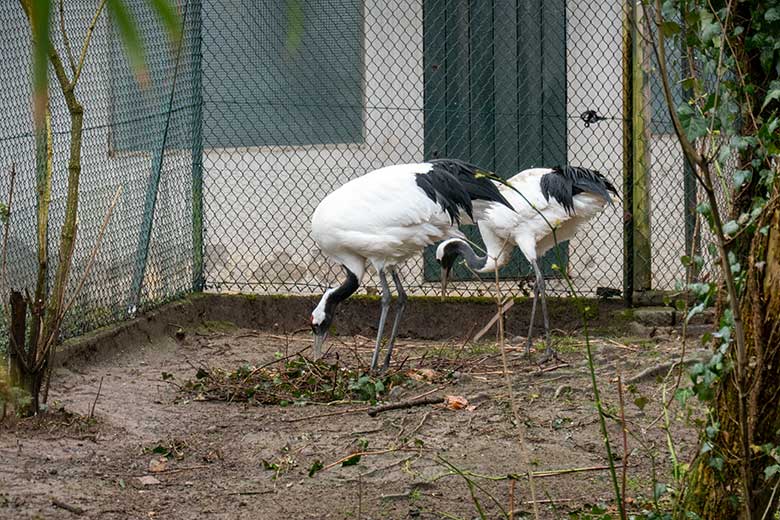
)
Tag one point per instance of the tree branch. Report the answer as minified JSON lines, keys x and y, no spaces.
{"x":87,"y":39}
{"x":65,"y":40}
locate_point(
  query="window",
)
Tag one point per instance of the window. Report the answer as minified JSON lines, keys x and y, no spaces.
{"x":259,"y":90}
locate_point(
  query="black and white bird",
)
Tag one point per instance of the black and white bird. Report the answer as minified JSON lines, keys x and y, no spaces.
{"x":560,"y":198}
{"x":387,"y":216}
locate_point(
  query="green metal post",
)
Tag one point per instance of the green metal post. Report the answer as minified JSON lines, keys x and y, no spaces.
{"x":142,"y":252}
{"x":198,"y":271}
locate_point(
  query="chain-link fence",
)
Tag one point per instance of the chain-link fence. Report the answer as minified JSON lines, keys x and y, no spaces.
{"x":507,"y":85}
{"x":137,"y":139}
{"x":269,"y":106}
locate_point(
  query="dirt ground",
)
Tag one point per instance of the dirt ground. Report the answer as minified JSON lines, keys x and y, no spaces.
{"x":153,"y":452}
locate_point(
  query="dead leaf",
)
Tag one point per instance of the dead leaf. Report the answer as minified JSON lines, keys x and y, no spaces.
{"x":422,"y":374}
{"x":455,"y":402}
{"x":148,"y":480}
{"x":158,"y":465}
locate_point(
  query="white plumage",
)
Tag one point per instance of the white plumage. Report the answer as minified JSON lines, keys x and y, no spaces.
{"x":385,"y":217}
{"x":559,"y":198}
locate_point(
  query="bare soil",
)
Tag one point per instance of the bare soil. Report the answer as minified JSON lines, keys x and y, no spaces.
{"x":152,"y":451}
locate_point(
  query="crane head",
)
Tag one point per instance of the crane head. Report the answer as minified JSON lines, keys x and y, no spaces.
{"x":321,"y":320}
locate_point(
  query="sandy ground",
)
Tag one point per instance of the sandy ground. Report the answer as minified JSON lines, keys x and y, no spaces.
{"x":234,"y":460}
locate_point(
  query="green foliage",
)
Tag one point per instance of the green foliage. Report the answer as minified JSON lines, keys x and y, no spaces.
{"x":296,"y":381}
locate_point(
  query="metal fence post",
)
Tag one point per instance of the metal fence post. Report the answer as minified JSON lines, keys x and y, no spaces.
{"x":150,"y":203}
{"x":198,"y":274}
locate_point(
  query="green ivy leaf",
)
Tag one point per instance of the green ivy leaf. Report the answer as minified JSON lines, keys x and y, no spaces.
{"x":694,"y":125}
{"x":730,"y":227}
{"x":742,"y":177}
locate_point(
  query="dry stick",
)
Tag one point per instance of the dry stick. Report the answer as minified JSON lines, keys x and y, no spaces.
{"x":361,"y":454}
{"x":511,"y":513}
{"x":502,"y":308}
{"x":6,"y":231}
{"x":97,"y":395}
{"x":67,"y":507}
{"x":402,"y":405}
{"x":513,"y":404}
{"x":329,"y":414}
{"x":625,"y":446}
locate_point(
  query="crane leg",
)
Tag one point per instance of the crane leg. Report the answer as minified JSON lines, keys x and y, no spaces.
{"x":549,"y":352}
{"x":399,"y":311}
{"x":533,"y":316}
{"x":382,"y":317}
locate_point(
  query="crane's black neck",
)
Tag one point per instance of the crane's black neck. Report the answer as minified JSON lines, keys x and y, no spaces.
{"x":460,"y":248}
{"x":341,"y":293}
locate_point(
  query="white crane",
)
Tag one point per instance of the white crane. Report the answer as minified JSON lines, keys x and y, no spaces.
{"x":385,"y":217}
{"x":561,"y":198}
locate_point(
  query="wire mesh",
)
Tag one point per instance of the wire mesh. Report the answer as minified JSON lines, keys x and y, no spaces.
{"x":270,"y":106}
{"x":502,"y":84}
{"x":122,"y":136}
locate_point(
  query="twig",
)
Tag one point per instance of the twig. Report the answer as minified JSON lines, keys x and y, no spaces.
{"x":361,"y":454}
{"x":402,"y":405}
{"x":93,"y":253}
{"x":87,"y":39}
{"x":505,"y":306}
{"x":625,"y":446}
{"x":6,"y":231}
{"x":97,"y":395}
{"x":66,"y":41}
{"x":67,"y":507}
{"x":329,"y":414}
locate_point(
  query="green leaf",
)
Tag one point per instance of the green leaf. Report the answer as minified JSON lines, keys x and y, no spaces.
{"x":669,"y":28}
{"x":167,"y":14}
{"x":710,"y":28}
{"x":771,"y":471}
{"x":772,"y":94}
{"x":730,"y":227}
{"x":128,"y":31}
{"x":315,"y":467}
{"x":641,"y":402}
{"x":694,"y":125}
{"x":772,"y":14}
{"x":294,"y":26}
{"x":352,"y":461}
{"x":741,"y":177}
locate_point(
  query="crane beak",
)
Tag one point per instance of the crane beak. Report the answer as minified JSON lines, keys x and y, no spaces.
{"x":319,"y":339}
{"x":445,"y":275}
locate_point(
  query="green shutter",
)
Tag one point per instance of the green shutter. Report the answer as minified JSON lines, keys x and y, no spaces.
{"x":258,"y":90}
{"x":495,"y":95}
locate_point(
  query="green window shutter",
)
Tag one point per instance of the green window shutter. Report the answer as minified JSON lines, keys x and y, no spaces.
{"x":495,"y":95}
{"x":259,"y":90}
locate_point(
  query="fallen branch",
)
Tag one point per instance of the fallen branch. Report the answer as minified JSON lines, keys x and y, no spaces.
{"x":659,"y":369}
{"x":329,"y":414}
{"x":402,"y":405}
{"x":504,"y":307}
{"x":67,"y":507}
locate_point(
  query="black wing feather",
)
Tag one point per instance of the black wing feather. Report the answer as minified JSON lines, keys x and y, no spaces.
{"x":454,"y":184}
{"x":563,"y":183}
